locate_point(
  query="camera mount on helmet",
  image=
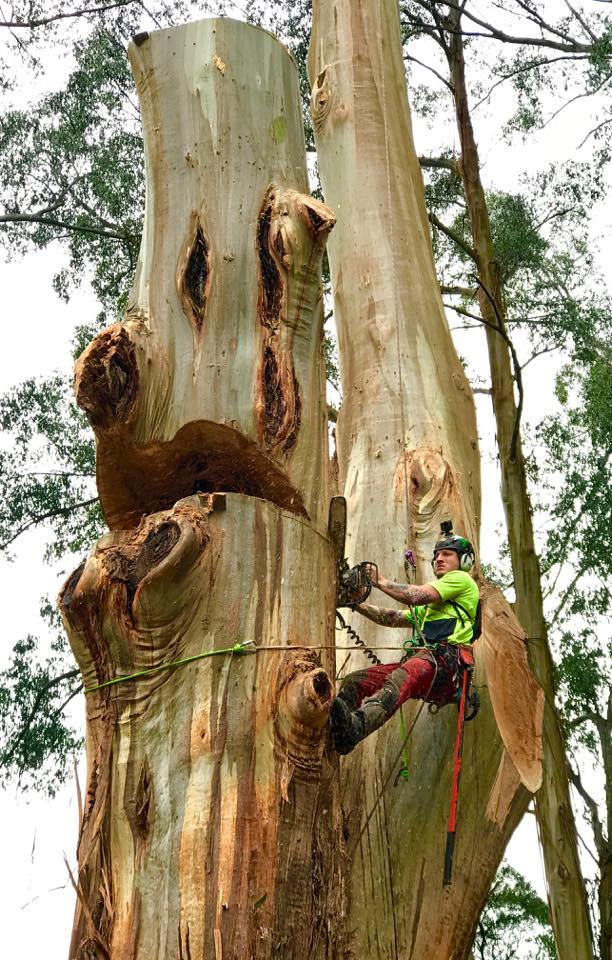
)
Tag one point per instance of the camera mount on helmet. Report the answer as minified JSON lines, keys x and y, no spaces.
{"x":451,"y":541}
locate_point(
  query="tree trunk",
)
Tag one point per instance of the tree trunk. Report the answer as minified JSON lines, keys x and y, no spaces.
{"x":211,"y":821}
{"x":408,"y":454}
{"x":567,"y":895}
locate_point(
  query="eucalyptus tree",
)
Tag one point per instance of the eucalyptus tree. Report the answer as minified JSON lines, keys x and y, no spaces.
{"x":56,"y":201}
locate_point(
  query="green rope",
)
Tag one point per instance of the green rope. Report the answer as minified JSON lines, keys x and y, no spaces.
{"x":237,"y":648}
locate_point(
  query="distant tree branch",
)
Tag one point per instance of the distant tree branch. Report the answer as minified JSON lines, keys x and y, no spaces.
{"x":526,"y":68}
{"x":57,"y":473}
{"x":592,"y":808}
{"x":61,"y":224}
{"x":581,"y":21}
{"x":452,"y":235}
{"x":44,"y":21}
{"x":426,"y":66}
{"x":536,"y":354}
{"x":440,"y":163}
{"x":41,"y":517}
{"x":458,"y":291}
{"x":25,"y":726}
{"x":579,"y":96}
{"x":565,"y":42}
{"x":591,"y":133}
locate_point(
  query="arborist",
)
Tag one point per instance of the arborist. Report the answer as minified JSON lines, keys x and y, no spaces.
{"x":444,"y":616}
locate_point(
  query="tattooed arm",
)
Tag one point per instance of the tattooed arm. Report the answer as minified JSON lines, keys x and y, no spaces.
{"x":383,"y":615}
{"x":413,"y":596}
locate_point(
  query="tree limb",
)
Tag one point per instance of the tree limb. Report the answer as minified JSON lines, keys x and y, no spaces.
{"x":40,"y":518}
{"x":452,"y":235}
{"x":44,"y":21}
{"x":591,"y":806}
{"x":51,"y":222}
{"x":517,"y":369}
{"x":426,"y":66}
{"x":440,"y":163}
{"x":25,"y":726}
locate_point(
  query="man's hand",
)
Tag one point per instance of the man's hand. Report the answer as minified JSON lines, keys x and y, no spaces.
{"x":372,"y":571}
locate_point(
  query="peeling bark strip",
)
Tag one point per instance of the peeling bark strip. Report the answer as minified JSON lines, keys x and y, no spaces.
{"x":209,"y":787}
{"x":193,"y":275}
{"x":107,"y":379}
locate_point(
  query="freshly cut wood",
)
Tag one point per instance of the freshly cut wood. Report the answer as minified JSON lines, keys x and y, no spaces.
{"x":212,"y":820}
{"x":408,"y":459}
{"x":214,"y":380}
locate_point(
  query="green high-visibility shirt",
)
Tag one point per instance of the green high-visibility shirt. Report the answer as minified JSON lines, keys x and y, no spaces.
{"x":441,"y":621}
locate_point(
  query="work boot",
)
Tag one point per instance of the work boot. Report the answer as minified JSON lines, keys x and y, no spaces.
{"x":347,"y":728}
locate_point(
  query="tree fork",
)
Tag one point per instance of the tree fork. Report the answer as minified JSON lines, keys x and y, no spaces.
{"x":212,"y":824}
{"x":567,"y":895}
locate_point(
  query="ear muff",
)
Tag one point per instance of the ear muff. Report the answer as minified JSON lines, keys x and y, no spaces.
{"x":466,"y":561}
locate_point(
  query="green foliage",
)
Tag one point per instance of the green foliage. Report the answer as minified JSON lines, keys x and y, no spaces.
{"x":37,"y":744}
{"x":72,"y":167}
{"x":583,"y":672}
{"x":578,"y":445}
{"x":47,"y":468}
{"x":514,"y":922}
{"x":330,"y":352}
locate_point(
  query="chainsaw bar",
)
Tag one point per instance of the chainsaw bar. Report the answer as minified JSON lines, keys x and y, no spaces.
{"x":336,"y":526}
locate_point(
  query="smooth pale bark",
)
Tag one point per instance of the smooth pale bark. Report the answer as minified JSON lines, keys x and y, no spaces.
{"x":211,"y":825}
{"x":566,"y":890}
{"x":220,"y":348}
{"x":408,"y":455}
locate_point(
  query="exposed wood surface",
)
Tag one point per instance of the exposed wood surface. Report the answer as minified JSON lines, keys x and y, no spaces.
{"x":211,"y":815}
{"x":221,"y":348}
{"x":212,"y":826}
{"x":408,"y":458}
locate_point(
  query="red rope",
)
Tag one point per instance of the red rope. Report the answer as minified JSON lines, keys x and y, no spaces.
{"x":452,"y":816}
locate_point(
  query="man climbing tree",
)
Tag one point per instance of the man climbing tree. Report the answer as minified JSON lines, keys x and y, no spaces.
{"x":444,"y":617}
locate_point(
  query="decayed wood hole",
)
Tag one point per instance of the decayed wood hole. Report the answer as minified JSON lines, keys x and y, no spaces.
{"x":203,"y":457}
{"x":193,"y":275}
{"x":282,"y":404}
{"x":156,"y":546}
{"x":271,"y":288}
{"x":107,"y":381}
